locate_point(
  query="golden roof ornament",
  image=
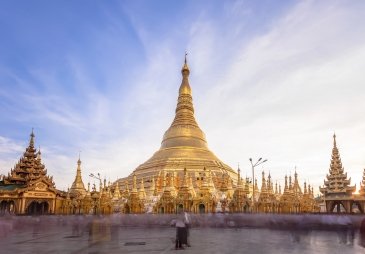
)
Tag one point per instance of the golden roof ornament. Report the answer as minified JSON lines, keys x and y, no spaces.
{"x":185,"y":69}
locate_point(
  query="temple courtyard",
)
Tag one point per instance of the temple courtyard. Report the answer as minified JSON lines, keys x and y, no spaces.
{"x":208,"y":234}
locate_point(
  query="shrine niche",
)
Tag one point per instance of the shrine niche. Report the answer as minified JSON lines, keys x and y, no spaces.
{"x":38,"y":207}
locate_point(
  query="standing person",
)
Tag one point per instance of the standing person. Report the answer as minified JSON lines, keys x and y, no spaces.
{"x":187,"y":228}
{"x":181,"y":237}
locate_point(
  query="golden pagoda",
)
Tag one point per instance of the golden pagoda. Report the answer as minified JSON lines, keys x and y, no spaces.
{"x":183,"y":145}
{"x":337,"y":190}
{"x":240,"y":202}
{"x":78,"y":187}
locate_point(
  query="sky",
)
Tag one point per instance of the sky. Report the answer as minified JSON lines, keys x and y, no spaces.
{"x":271,"y":79}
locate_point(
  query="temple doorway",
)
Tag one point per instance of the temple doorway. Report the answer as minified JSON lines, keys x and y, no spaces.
{"x":201,"y":208}
{"x":7,"y":207}
{"x":180,"y":208}
{"x":356,"y":208}
{"x":338,"y":207}
{"x":127,"y":210}
{"x":38,"y":208}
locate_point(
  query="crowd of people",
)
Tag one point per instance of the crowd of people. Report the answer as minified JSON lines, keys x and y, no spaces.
{"x":106,"y":228}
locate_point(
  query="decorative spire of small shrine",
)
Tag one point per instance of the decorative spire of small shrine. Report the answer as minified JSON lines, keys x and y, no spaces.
{"x":276,"y":188}
{"x":126,"y":187}
{"x":286,"y":183}
{"x":362,"y":184}
{"x":269,"y":183}
{"x":247,"y":187}
{"x":78,"y":187}
{"x":337,"y":182}
{"x":305,"y":188}
{"x":142,"y":192}
{"x":31,"y":141}
{"x":134,"y":187}
{"x":239,"y":180}
{"x":116,"y":194}
{"x":263,"y":185}
{"x":296,"y":187}
{"x":256,"y":186}
{"x":39,"y":154}
{"x":290,"y":184}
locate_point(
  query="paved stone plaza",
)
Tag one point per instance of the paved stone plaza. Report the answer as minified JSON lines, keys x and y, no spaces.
{"x":97,"y":235}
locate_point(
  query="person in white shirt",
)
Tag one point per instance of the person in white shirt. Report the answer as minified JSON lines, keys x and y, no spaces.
{"x":181,"y":232}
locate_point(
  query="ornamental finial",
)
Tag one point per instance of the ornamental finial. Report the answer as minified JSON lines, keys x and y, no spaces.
{"x":334,"y":139}
{"x":185,"y":70}
{"x":31,"y":141}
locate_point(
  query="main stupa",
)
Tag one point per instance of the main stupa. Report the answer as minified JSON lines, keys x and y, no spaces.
{"x":183,"y":145}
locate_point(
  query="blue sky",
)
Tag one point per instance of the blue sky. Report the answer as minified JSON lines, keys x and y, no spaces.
{"x":101,"y":77}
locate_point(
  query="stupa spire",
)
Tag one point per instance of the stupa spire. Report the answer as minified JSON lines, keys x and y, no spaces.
{"x":337,"y":181}
{"x":305,"y":188}
{"x":334,"y":140}
{"x":239,"y":181}
{"x":31,"y":141}
{"x":184,"y":130}
{"x":78,"y":185}
{"x":286,"y":183}
{"x":117,"y":194}
{"x":185,"y":69}
{"x":263,"y":184}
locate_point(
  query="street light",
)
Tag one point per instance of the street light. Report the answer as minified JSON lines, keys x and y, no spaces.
{"x":96,"y":177}
{"x":259,"y":162}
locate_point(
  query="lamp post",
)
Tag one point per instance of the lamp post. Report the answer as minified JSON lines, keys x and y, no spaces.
{"x":96,"y":177}
{"x":95,"y":199}
{"x":253,"y":165}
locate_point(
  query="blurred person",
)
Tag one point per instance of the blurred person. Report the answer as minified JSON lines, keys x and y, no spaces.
{"x":362,"y":233}
{"x":181,"y":232}
{"x":187,"y":221}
